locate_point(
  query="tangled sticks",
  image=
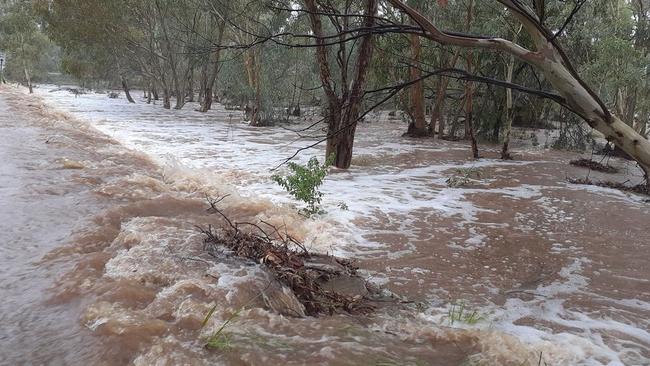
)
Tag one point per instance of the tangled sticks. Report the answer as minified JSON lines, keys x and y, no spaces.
{"x":322,"y":284}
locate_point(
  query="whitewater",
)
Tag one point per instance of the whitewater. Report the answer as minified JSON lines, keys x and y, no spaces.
{"x":104,"y":264}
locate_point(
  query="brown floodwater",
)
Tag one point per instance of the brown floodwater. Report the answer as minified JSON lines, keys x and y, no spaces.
{"x":103,"y":263}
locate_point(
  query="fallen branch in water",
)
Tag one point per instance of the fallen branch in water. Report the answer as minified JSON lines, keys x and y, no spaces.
{"x":594,"y":165}
{"x":642,"y":188}
{"x":311,"y":278}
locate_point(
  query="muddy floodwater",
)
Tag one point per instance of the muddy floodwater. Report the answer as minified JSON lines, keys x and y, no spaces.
{"x":102,"y":263}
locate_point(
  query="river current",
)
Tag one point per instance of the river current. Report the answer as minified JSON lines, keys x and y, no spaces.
{"x":103,"y":263}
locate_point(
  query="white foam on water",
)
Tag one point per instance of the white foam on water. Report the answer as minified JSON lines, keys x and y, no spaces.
{"x":217,"y":153}
{"x":582,"y":343}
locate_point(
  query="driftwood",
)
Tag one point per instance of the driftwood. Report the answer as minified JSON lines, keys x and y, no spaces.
{"x":643,"y":188}
{"x":593,"y":165}
{"x":322,"y":284}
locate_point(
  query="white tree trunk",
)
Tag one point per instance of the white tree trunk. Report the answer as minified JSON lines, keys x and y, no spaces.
{"x":547,"y":58}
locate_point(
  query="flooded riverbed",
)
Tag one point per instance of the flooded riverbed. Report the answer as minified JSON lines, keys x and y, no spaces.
{"x":553,"y":270}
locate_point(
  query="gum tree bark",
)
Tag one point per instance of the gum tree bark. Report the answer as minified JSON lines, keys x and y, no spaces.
{"x":507,"y":128}
{"x":418,"y":127}
{"x":190,"y":85}
{"x":252,"y":57}
{"x":342,"y":112}
{"x":552,"y":61}
{"x":208,"y":86}
{"x":28,"y":80}
{"x":441,"y":94}
{"x":469,"y":88}
{"x":124,"y":82}
{"x":125,"y":87}
{"x":252,"y":66}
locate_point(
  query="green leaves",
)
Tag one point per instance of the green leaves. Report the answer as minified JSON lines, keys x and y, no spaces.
{"x":22,"y":38}
{"x":304,"y":181}
{"x":458,"y":313}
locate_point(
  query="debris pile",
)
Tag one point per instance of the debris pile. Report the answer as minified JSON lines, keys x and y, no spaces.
{"x":322,"y":284}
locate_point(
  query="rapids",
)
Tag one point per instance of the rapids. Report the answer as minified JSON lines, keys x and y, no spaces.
{"x":104,"y":265}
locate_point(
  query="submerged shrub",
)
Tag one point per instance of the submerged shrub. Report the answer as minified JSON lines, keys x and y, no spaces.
{"x":463,"y":176}
{"x":304,"y":181}
{"x":458,"y":313}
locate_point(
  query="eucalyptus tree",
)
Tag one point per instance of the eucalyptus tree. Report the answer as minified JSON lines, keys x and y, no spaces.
{"x":92,"y":35}
{"x":641,"y":16}
{"x":592,"y":54}
{"x":23,"y":41}
{"x":418,"y":125}
{"x":548,"y":56}
{"x":178,"y":26}
{"x":212,"y":34}
{"x":469,"y":86}
{"x":509,"y":115}
{"x":343,"y":91}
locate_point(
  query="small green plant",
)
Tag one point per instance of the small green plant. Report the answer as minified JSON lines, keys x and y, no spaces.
{"x":220,"y":339}
{"x":463,"y":176}
{"x":304,"y":181}
{"x":458,"y":312}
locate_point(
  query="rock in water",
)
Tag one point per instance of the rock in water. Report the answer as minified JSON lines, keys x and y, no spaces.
{"x":282,"y":300}
{"x":71,"y":164}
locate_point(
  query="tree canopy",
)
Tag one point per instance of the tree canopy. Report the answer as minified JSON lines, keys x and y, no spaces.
{"x":456,"y":68}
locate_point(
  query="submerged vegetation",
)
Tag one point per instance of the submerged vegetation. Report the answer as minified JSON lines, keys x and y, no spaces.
{"x":458,"y":313}
{"x":220,"y":339}
{"x":463,"y":177}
